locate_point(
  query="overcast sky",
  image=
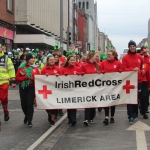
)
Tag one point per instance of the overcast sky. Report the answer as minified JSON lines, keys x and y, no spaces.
{"x":123,"y":20}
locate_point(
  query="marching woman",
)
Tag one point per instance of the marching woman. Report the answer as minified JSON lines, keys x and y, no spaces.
{"x":71,"y":69}
{"x":25,"y":76}
{"x":90,"y":67}
{"x":51,"y":69}
{"x":57,"y":63}
{"x":110,"y":65}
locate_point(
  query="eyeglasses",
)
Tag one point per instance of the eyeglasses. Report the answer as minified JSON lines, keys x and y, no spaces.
{"x":109,"y":55}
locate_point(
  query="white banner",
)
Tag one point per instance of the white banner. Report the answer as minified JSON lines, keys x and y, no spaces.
{"x":88,"y":91}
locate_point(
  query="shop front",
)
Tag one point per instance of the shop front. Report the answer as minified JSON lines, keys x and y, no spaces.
{"x":6,"y":38}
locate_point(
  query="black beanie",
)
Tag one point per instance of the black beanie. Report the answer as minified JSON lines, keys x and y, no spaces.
{"x":131,"y":43}
{"x":29,"y":56}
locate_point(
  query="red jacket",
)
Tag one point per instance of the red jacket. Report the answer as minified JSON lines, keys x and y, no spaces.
{"x":62,"y":61}
{"x":147,"y":60}
{"x":51,"y":71}
{"x":131,"y":61}
{"x":21,"y":75}
{"x":71,"y":70}
{"x":111,"y":66}
{"x":146,"y":76}
{"x":89,"y":68}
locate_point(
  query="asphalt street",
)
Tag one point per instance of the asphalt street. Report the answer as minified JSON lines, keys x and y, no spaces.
{"x":16,"y":136}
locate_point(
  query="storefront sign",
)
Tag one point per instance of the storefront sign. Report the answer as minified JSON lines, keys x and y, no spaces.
{"x":6,"y":33}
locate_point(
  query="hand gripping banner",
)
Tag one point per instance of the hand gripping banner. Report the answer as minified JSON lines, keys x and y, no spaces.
{"x":88,"y":91}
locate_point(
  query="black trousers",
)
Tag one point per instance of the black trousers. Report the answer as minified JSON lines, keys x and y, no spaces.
{"x":72,"y":114}
{"x":143,"y":99}
{"x":52,"y":111}
{"x":27,"y":96}
{"x":89,"y":114}
{"x":147,"y":101}
{"x":112,"y":111}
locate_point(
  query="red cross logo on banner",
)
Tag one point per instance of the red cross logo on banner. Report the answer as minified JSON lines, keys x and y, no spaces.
{"x":45,"y":92}
{"x":128,"y":87}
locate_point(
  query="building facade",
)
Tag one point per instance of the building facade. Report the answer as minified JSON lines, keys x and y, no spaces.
{"x":144,"y":42}
{"x":7,"y":28}
{"x":90,"y":9}
{"x":149,"y":32}
{"x":35,"y":17}
{"x":82,"y":29}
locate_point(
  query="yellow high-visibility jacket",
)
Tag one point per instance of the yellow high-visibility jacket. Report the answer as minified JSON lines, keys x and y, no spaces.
{"x":7,"y":70}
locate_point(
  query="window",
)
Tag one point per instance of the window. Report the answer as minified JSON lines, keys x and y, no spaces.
{"x":83,"y":6}
{"x":87,"y":5}
{"x":79,"y":4}
{"x":9,"y":5}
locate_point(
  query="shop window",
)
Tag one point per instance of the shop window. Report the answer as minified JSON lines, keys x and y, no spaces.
{"x":9,"y":5}
{"x":87,"y":5}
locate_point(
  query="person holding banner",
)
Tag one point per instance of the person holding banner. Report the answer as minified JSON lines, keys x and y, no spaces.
{"x":90,"y":67}
{"x":25,"y":76}
{"x":57,"y":63}
{"x":133,"y":62}
{"x":70,"y":69}
{"x":51,"y":69}
{"x":110,"y":65}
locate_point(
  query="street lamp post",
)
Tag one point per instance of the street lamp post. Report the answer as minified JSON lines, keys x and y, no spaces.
{"x":61,"y":25}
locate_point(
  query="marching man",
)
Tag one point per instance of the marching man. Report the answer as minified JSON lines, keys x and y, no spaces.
{"x":7,"y":73}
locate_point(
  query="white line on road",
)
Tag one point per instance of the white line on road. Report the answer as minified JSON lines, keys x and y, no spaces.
{"x":140,"y":129}
{"x":36,"y":143}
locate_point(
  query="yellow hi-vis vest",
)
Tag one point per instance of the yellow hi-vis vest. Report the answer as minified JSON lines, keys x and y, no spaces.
{"x":7,"y":70}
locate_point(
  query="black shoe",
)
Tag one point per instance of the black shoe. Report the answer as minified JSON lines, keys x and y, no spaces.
{"x":106,"y":122}
{"x":86,"y":122}
{"x":69,"y":122}
{"x":147,"y":111}
{"x":30,"y":124}
{"x":112,"y":120}
{"x":6,"y":117}
{"x":145,"y":117}
{"x":25,"y":120}
{"x":52,"y":123}
{"x":73,"y":123}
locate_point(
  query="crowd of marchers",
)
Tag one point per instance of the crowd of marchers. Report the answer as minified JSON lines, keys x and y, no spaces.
{"x":20,"y":67}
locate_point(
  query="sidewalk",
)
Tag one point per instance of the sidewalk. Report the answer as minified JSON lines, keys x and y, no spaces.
{"x":13,"y":95}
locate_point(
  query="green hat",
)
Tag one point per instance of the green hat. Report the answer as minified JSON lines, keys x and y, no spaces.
{"x":145,"y":47}
{"x":16,"y":53}
{"x":70,"y":52}
{"x":56,"y":47}
{"x":37,"y":50}
{"x":92,"y":51}
{"x":103,"y":56}
{"x":49,"y":55}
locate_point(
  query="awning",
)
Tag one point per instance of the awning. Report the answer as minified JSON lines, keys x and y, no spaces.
{"x":36,"y":39}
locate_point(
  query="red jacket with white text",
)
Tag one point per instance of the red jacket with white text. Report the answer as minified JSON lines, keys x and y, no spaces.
{"x":111,"y":66}
{"x":71,"y":70}
{"x":131,"y":61}
{"x":51,"y":71}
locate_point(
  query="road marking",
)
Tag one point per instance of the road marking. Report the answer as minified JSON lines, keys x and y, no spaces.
{"x":53,"y":139}
{"x":36,"y":143}
{"x":140,"y":129}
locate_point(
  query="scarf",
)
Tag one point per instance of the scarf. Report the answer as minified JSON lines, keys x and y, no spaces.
{"x":28,"y":72}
